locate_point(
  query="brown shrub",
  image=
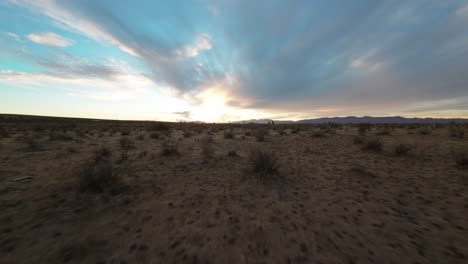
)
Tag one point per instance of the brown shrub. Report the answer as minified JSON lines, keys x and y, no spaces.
{"x":263,"y":163}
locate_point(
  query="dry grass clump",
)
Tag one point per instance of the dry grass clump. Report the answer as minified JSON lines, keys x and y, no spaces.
{"x":169,"y":149}
{"x":228,"y":134}
{"x":232,"y":153}
{"x":4,"y":133}
{"x":98,"y":176}
{"x":358,"y":140}
{"x":384,"y":132}
{"x":260,"y":134}
{"x":158,"y":126}
{"x":102,"y":152}
{"x":263,"y":163}
{"x":461,"y":159}
{"x":425,"y":131}
{"x":140,"y":137}
{"x":456,"y":132}
{"x":373,"y":145}
{"x":363,"y":128}
{"x":126,"y":144}
{"x":187,"y":133}
{"x":207,"y":146}
{"x":155,"y":135}
{"x":59,"y":136}
{"x":318,"y":134}
{"x":402,"y":149}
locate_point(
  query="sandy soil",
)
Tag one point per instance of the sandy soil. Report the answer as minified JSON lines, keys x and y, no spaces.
{"x":331,"y":202}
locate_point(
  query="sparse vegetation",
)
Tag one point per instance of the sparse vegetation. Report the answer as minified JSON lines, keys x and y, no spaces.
{"x":98,"y":176}
{"x":155,"y":135}
{"x":363,"y":128}
{"x":263,"y":163}
{"x":358,"y":140}
{"x":456,"y":132}
{"x":402,"y":149}
{"x":207,"y":146}
{"x":59,"y":136}
{"x":373,"y":145}
{"x":169,"y":148}
{"x":228,"y":134}
{"x":260,"y":134}
{"x":461,"y":159}
{"x":425,"y":131}
{"x":232,"y":153}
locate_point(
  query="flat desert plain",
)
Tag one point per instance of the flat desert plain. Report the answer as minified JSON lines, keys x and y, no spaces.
{"x":90,"y":191}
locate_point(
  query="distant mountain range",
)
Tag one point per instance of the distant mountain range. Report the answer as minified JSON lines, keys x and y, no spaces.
{"x":363,"y":119}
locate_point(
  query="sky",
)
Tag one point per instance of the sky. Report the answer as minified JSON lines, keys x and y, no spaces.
{"x":226,"y":60}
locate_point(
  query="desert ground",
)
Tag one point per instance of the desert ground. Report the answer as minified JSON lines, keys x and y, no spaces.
{"x":93,"y":191}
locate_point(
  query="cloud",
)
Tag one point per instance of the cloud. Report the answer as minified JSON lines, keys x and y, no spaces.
{"x":306,"y":56}
{"x":49,"y":39}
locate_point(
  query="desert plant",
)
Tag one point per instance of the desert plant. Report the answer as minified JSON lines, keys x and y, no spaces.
{"x":461,"y":159}
{"x":402,"y":149}
{"x":228,"y":134}
{"x":169,"y":148}
{"x":263,"y":163}
{"x":187,"y":134}
{"x":140,"y":137}
{"x":158,"y":126}
{"x":125,"y":143}
{"x":98,"y":176}
{"x":59,"y":136}
{"x":232,"y":153}
{"x":358,"y":141}
{"x":260,"y":134}
{"x":318,"y":134}
{"x":102,"y":153}
{"x":155,"y":135}
{"x":456,"y":132}
{"x":373,"y":145}
{"x":363,"y":128}
{"x":207,"y":148}
{"x":425,"y":131}
{"x":32,"y":144}
{"x":384,"y":132}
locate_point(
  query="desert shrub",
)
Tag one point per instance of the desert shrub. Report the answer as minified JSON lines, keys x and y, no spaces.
{"x":71,"y":150}
{"x":38,"y":128}
{"x":98,"y":176}
{"x":124,"y":132}
{"x":373,"y":145}
{"x":461,"y":159}
{"x":425,"y":131}
{"x":155,"y":135}
{"x":169,"y":149}
{"x":125,"y":143}
{"x":318,"y":134}
{"x":363,"y":128}
{"x":402,"y":149}
{"x":263,"y":163}
{"x":4,"y":133}
{"x":260,"y":134}
{"x":228,"y":134}
{"x":384,"y":132}
{"x":102,"y":152}
{"x":281,"y":131}
{"x":32,"y":144}
{"x":158,"y":126}
{"x":358,"y":141}
{"x":232,"y":153}
{"x":207,"y":146}
{"x":456,"y":132}
{"x":59,"y":136}
{"x":187,"y":134}
{"x":248,"y":133}
{"x":140,"y":137}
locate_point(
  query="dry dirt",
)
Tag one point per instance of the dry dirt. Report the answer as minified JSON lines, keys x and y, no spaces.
{"x":331,"y":202}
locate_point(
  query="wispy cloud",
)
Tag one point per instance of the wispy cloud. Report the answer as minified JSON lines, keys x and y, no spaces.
{"x":49,"y":39}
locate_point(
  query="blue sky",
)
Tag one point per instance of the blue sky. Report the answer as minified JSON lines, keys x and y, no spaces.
{"x":229,"y":60}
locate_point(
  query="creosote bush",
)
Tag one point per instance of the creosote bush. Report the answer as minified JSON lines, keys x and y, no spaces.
{"x":207,"y":146}
{"x":461,"y":159}
{"x":263,"y":163}
{"x":402,"y":149}
{"x":169,"y":149}
{"x":97,"y":176}
{"x":260,"y":134}
{"x":373,"y":145}
{"x":358,"y":141}
{"x":228,"y":134}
